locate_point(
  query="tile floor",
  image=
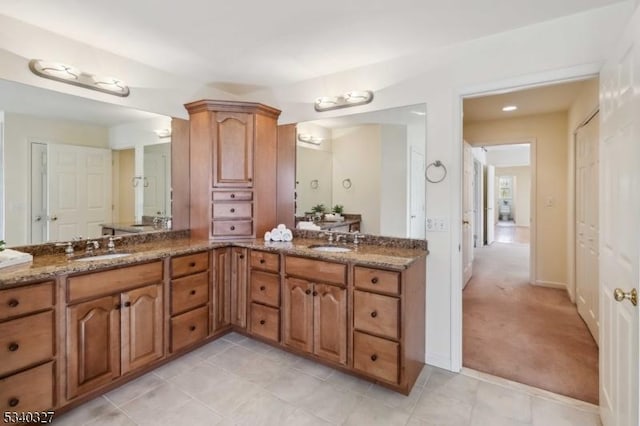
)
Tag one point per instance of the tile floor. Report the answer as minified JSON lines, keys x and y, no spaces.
{"x":240,"y":381}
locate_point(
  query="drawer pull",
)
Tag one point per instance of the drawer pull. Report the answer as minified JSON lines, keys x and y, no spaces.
{"x":262,"y":322}
{"x":13,"y":346}
{"x":374,"y":280}
{"x":192,"y":264}
{"x":315,"y":293}
{"x":13,"y":303}
{"x":307,"y":291}
{"x":262,"y":260}
{"x":262,"y":288}
{"x":233,"y":228}
{"x":374,"y":314}
{"x":127,"y":304}
{"x":13,"y":402}
{"x":192,"y":292}
{"x":241,"y":256}
{"x":232,"y":196}
{"x":192,"y":328}
{"x":232,"y":210}
{"x":374,"y":357}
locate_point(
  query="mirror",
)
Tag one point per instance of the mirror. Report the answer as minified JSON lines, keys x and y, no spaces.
{"x":72,"y":164}
{"x":371,"y":164}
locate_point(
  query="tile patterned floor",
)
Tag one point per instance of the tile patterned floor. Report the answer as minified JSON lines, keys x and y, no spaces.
{"x":240,"y":381}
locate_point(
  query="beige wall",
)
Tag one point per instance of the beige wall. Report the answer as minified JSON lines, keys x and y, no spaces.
{"x":20,"y":131}
{"x":123,"y":172}
{"x":550,"y":134}
{"x":522,"y":192}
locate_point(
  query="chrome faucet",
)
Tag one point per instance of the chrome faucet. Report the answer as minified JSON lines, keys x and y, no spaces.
{"x":91,"y":246}
{"x":329,"y":233}
{"x":340,"y":236}
{"x":68,"y":248}
{"x":111,"y":245}
{"x":357,"y":235}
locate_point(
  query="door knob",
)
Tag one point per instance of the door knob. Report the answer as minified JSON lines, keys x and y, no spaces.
{"x":465,"y":222}
{"x":620,"y":295}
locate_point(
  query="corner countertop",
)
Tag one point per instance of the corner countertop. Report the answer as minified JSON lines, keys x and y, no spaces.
{"x":48,"y":267}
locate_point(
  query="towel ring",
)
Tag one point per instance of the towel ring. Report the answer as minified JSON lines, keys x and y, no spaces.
{"x":314,"y":184}
{"x":438,"y":164}
{"x":346,"y":183}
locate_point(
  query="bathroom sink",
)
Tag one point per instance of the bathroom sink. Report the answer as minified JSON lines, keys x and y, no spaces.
{"x":330,"y":249}
{"x":102,"y":257}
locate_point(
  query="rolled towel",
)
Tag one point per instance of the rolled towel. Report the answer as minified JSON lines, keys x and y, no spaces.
{"x":276,"y":234}
{"x":282,"y":227}
{"x":287,"y":235}
{"x":267,"y":236}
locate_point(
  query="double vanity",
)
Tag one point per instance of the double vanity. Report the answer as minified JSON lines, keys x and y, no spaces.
{"x":71,"y":329}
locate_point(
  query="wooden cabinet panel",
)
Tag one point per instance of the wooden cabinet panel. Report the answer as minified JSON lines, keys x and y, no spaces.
{"x":231,"y":228}
{"x":26,"y":341}
{"x":265,"y":322}
{"x":376,"y":357}
{"x":32,"y":390}
{"x":298,"y":314}
{"x":93,"y":344}
{"x":22,"y":300}
{"x":330,"y":322}
{"x":189,"y":292}
{"x":221,"y":290}
{"x":377,"y":280}
{"x":236,"y":210}
{"x":265,"y":261}
{"x":232,"y":149}
{"x":189,"y":264}
{"x":265,"y":288}
{"x":189,"y":328}
{"x":377,"y":314}
{"x":239,"y":283}
{"x":316,"y":269}
{"x":141,"y":327}
{"x":232,"y":195}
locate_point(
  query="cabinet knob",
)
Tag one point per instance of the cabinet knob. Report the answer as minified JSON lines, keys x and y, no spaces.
{"x":262,"y":260}
{"x":192,"y":292}
{"x":13,"y":346}
{"x":127,"y":304}
{"x":262,"y":288}
{"x":233,"y":228}
{"x":250,"y":180}
{"x":241,"y":256}
{"x":315,"y":293}
{"x":308,"y":291}
{"x":117,"y":307}
{"x":14,"y":402}
{"x":374,"y":280}
{"x":232,"y":210}
{"x":232,"y":196}
{"x":192,"y":264}
{"x":13,"y":303}
{"x":192,"y":328}
{"x":374,"y":314}
{"x":374,"y":357}
{"x":262,"y":322}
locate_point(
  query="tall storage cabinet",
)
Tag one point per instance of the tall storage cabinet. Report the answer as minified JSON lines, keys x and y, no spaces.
{"x":233,"y":169}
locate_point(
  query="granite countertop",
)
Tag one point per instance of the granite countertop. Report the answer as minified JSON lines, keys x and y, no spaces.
{"x":328,"y":224}
{"x":129,"y":227}
{"x":48,"y":266}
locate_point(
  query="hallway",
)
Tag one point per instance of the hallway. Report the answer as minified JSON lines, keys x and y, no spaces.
{"x":528,"y":334}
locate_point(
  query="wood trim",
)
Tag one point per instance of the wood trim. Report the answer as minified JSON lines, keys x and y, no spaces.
{"x":180,"y":173}
{"x":286,"y":175}
{"x":232,"y":106}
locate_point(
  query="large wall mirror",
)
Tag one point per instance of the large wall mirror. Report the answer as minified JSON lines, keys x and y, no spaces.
{"x":72,"y":164}
{"x":370,"y":165}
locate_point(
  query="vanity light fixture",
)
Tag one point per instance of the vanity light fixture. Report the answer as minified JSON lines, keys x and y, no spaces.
{"x":310,"y":139}
{"x":163,"y":133}
{"x":509,"y":108}
{"x":353,"y":98}
{"x":71,"y":75}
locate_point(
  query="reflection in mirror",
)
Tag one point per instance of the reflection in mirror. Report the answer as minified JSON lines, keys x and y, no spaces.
{"x":69,"y":164}
{"x":371,"y":165}
{"x":157,"y":180}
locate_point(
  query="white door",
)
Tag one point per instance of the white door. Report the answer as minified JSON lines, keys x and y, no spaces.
{"x":587,"y":226}
{"x":154,"y":182}
{"x":467,"y":214}
{"x":620,"y":230}
{"x":417,"y":228}
{"x":39,"y":197}
{"x":478,"y":208}
{"x":490,"y":217}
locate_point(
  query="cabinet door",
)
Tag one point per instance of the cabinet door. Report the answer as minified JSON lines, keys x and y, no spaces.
{"x":239,"y":271}
{"x":93,"y":342}
{"x":221,"y":294}
{"x":330,"y":322}
{"x":141,"y":327}
{"x":298,"y":314}
{"x":232,"y":149}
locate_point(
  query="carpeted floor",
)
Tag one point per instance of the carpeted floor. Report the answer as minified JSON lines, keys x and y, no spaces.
{"x":528,"y":334}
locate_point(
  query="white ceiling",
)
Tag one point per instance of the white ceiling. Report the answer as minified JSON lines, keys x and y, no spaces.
{"x":539,"y":100}
{"x":241,"y":46}
{"x":22,"y":99}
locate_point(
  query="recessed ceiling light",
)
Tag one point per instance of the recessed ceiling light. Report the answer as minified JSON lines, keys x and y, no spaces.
{"x":509,"y":108}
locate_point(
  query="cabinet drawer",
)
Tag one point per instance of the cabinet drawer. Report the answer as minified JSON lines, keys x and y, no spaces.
{"x":243,"y":210}
{"x":189,"y":328}
{"x":377,"y":280}
{"x":31,"y":390}
{"x":376,"y":357}
{"x":22,"y":300}
{"x":189,"y":264}
{"x":26,"y":341}
{"x":265,"y":288}
{"x":316,"y":270}
{"x":265,"y":322}
{"x":113,"y":281}
{"x":266,"y":261}
{"x":232,"y":196}
{"x":376,"y":313}
{"x":189,"y":292}
{"x":232,"y":227}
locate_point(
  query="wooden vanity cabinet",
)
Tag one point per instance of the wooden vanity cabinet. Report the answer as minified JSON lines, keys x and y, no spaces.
{"x":114,"y":324}
{"x":221,"y":317}
{"x":27,"y":348}
{"x":314,"y":311}
{"x":238,"y":284}
{"x":264,"y":295}
{"x":233,"y":168}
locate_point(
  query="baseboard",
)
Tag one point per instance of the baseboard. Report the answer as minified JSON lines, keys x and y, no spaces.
{"x":550,"y":284}
{"x":439,"y":361}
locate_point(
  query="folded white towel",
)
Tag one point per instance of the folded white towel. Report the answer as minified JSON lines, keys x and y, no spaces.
{"x":282,"y":227}
{"x":287,"y":235}
{"x":276,"y":234}
{"x":9,"y":257}
{"x":267,"y":236}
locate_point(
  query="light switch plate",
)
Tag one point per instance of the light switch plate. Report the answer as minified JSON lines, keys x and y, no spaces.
{"x":437,"y":224}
